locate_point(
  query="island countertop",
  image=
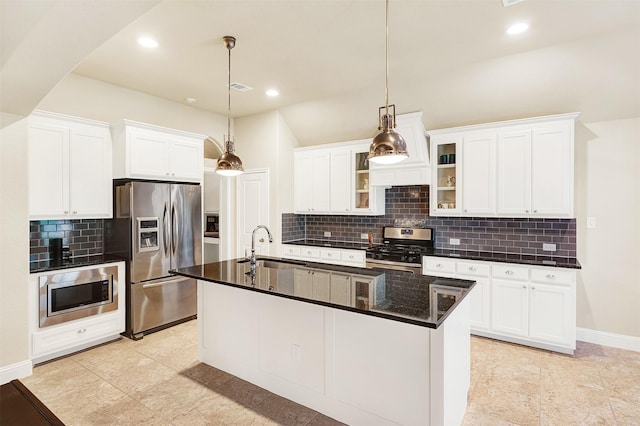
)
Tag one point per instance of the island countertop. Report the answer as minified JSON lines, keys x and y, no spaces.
{"x":421,"y":300}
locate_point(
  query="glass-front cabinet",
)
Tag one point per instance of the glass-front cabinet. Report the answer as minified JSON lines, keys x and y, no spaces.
{"x":361,"y":187}
{"x":446,"y":176}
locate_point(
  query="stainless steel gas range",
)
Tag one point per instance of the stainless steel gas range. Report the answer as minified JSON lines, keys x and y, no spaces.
{"x":402,"y":249}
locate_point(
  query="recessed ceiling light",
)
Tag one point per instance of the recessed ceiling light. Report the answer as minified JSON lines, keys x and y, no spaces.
{"x":272,"y":92}
{"x":147,"y":42}
{"x":190,"y":100}
{"x":518,"y":28}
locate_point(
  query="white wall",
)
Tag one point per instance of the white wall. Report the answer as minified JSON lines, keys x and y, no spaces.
{"x":14,"y":245}
{"x":608,"y":188}
{"x":265,"y":141}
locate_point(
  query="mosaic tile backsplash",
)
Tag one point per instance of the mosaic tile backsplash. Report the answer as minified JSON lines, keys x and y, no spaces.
{"x":487,"y":234}
{"x":82,"y":236}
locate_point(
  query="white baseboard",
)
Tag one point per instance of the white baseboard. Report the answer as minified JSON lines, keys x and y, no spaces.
{"x":608,"y":339}
{"x":15,"y":371}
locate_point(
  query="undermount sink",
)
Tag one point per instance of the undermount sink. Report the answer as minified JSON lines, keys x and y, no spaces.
{"x":273,"y":264}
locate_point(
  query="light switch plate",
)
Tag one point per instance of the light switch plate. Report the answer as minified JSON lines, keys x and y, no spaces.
{"x":591,"y":222}
{"x":364,"y":236}
{"x":454,"y":241}
{"x":327,"y":233}
{"x":549,"y":247}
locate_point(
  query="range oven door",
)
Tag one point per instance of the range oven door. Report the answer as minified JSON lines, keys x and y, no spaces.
{"x":160,"y":302}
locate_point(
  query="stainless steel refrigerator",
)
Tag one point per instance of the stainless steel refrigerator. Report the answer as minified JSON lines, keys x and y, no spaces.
{"x":157,"y":227}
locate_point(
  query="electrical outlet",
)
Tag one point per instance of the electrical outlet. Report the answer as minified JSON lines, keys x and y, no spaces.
{"x":454,"y":241}
{"x":549,"y":247}
{"x":327,"y":233}
{"x":591,"y":222}
{"x":364,"y":236}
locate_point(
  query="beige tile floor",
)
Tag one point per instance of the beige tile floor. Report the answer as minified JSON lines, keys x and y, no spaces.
{"x":158,"y":381}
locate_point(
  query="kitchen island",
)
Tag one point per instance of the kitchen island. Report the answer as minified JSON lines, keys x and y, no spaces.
{"x":364,"y":346}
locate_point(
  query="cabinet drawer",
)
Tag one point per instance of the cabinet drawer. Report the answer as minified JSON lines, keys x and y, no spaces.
{"x":552,"y":276}
{"x":510,"y":272}
{"x":330,"y":255}
{"x":439,"y":265}
{"x":353,"y":257}
{"x":77,"y":333}
{"x":472,"y":268}
{"x":290,"y":251}
{"x":311,"y":253}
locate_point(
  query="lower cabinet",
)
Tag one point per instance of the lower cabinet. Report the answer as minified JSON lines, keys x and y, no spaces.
{"x":522,"y":304}
{"x":346,"y":257}
{"x":340,"y":288}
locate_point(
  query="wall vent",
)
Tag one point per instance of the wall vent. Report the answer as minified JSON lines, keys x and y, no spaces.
{"x":240,"y":87}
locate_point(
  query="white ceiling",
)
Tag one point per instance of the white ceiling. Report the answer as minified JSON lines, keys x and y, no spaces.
{"x":450,"y":59}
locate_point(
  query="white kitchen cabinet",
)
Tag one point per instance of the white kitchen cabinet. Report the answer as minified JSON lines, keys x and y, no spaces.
{"x":340,"y":292}
{"x":529,"y":305}
{"x":414,"y":170}
{"x":146,"y":151}
{"x":312,"y":181}
{"x":518,"y":168}
{"x":339,"y":181}
{"x":346,"y":257}
{"x":334,"y":179}
{"x":479,"y":174}
{"x":72,"y":336}
{"x":69,"y":168}
{"x":312,"y":284}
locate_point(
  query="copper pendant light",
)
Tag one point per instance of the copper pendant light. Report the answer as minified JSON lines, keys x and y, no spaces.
{"x":388,"y":147}
{"x":229,"y":164}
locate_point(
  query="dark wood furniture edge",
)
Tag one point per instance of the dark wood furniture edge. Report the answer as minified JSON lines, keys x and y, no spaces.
{"x":37,"y":405}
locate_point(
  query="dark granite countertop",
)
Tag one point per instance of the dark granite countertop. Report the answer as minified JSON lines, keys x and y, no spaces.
{"x":397,"y":295}
{"x":525,"y":259}
{"x":75,"y":262}
{"x":329,"y":243}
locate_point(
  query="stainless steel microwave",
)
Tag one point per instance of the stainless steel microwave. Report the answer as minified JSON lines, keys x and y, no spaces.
{"x":67,"y":296}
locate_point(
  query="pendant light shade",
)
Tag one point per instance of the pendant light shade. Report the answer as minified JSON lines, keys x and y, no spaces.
{"x":229,"y":164}
{"x":388,"y":147}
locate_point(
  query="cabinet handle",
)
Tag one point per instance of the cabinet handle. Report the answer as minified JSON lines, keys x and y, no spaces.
{"x":526,"y":211}
{"x":524,"y":286}
{"x":66,"y":212}
{"x":533,"y":288}
{"x":328,"y":254}
{"x":351,"y":257}
{"x":466,"y":210}
{"x":551,"y":276}
{"x":508,"y":272}
{"x":82,"y":330}
{"x":173,"y":174}
{"x":472,"y":268}
{"x":535,"y":211}
{"x":439,"y":265}
{"x":167,"y":174}
{"x":75,"y":212}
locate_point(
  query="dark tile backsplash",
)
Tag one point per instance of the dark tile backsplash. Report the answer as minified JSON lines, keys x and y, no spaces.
{"x":490,"y":234}
{"x":82,"y":236}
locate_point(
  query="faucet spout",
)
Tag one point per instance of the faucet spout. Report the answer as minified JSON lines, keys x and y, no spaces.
{"x":253,"y":245}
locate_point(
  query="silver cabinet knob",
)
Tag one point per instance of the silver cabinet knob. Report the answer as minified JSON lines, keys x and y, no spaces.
{"x":472,"y":268}
{"x":82,"y":330}
{"x":526,"y":211}
{"x":66,"y":212}
{"x":75,"y":212}
{"x":508,"y":272}
{"x":535,"y":211}
{"x":524,"y":286}
{"x":551,"y":276}
{"x":439,"y":265}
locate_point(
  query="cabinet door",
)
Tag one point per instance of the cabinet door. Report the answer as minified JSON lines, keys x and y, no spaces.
{"x":340,"y":292}
{"x":48,"y":171}
{"x":514,"y":173}
{"x":340,"y":181}
{"x":510,"y":307}
{"x":552,"y":172}
{"x":302,"y":181}
{"x":480,"y":302}
{"x":321,"y":285}
{"x":550,"y":314}
{"x":90,"y":173}
{"x":148,"y":154}
{"x":302,"y":284}
{"x":412,"y":131}
{"x":320,"y":186}
{"x":478,"y":174}
{"x":186,"y":160}
{"x":444,"y":195}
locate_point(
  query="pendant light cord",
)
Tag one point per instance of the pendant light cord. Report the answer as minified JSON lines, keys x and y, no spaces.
{"x":386,"y":59}
{"x":229,"y":101}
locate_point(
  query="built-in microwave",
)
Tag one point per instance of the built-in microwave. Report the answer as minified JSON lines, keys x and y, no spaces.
{"x":67,"y":296}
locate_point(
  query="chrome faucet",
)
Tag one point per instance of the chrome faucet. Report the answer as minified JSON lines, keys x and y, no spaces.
{"x":253,"y":246}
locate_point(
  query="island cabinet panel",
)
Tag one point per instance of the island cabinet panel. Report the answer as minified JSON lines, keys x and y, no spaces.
{"x":356,"y":368}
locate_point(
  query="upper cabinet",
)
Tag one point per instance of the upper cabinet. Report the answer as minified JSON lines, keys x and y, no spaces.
{"x":335,"y":179}
{"x":69,"y":167}
{"x":414,"y":170}
{"x":145,"y":151}
{"x":519,"y":168}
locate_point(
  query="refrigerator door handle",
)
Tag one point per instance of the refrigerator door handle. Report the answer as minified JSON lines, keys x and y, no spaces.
{"x":165,"y":224}
{"x":174,"y":229}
